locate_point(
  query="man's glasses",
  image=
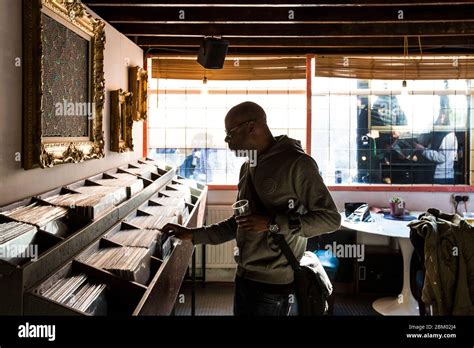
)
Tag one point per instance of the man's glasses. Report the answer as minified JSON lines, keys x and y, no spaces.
{"x":230,"y":131}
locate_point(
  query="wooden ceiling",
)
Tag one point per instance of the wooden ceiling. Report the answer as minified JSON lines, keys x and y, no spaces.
{"x":295,"y":27}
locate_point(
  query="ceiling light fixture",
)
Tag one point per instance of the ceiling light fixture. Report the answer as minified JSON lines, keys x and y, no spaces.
{"x":404,"y":90}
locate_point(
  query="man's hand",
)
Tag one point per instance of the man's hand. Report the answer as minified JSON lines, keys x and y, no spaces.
{"x":253,"y":223}
{"x":178,"y":231}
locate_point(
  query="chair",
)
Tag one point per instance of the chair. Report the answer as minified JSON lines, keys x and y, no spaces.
{"x":338,"y":270}
{"x":331,"y":266}
{"x":418,"y":269}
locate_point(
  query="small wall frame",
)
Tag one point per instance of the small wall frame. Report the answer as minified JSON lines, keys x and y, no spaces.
{"x":121,"y":121}
{"x":138,"y":80}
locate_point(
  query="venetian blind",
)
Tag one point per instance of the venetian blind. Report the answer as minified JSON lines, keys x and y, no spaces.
{"x":396,"y":67}
{"x":235,"y":68}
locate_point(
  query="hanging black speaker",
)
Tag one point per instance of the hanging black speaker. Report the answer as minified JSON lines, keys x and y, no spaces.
{"x":212,"y":53}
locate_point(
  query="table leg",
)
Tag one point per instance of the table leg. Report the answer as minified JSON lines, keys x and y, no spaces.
{"x":405,"y":303}
{"x":193,"y":288}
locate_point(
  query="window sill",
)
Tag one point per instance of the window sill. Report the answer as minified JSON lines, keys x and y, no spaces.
{"x":403,"y":188}
{"x":376,"y":188}
{"x":221,"y":187}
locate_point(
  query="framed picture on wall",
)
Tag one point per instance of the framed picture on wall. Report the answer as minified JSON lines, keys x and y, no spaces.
{"x":137,"y":80}
{"x":63,"y":83}
{"x":121,"y":121}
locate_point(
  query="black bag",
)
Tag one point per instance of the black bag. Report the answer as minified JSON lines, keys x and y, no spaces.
{"x":312,"y":285}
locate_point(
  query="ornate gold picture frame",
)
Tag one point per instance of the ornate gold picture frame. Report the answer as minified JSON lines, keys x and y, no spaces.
{"x":138,"y":82}
{"x":63,"y":83}
{"x":121,"y":121}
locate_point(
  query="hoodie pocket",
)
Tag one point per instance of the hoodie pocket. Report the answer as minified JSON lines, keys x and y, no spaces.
{"x":255,"y":253}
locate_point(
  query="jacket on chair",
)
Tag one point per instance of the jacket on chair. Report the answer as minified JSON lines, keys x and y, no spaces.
{"x":449,"y":263}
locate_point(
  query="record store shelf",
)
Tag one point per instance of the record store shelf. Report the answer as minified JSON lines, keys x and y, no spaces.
{"x":60,"y":240}
{"x":151,"y":288}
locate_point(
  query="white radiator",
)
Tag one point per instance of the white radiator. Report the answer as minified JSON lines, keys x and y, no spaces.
{"x":222,"y":255}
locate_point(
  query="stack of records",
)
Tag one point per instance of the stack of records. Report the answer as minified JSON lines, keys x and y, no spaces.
{"x":86,"y":205}
{"x":116,"y":194}
{"x":160,"y":210}
{"x":154,"y":162}
{"x":122,"y":261}
{"x":186,"y":196}
{"x":167,"y":247}
{"x":35,"y":214}
{"x":180,"y":187}
{"x":187,"y":182}
{"x":144,"y":170}
{"x":131,"y":182}
{"x":178,"y":203}
{"x":136,"y":238}
{"x":152,"y":222}
{"x":11,"y":230}
{"x":124,"y":176}
{"x":75,"y":292}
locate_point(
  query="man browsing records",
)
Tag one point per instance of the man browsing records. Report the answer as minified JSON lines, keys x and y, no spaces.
{"x":286,"y":195}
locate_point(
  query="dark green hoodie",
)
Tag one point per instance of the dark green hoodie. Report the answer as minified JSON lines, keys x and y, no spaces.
{"x":288,"y":183}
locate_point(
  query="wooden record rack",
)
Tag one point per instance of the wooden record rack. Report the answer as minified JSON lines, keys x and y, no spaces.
{"x":63,"y":244}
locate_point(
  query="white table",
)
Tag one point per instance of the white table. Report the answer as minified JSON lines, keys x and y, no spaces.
{"x":405,"y":303}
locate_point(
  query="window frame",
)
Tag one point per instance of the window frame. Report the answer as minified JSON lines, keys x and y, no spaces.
{"x":353,"y":187}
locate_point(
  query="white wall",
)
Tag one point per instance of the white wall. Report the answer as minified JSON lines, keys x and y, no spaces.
{"x":16,"y":183}
{"x":416,"y":201}
{"x":419,"y":201}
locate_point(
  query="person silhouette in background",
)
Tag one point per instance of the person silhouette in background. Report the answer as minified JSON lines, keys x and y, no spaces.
{"x":386,"y":111}
{"x":196,"y":165}
{"x":442,"y":150}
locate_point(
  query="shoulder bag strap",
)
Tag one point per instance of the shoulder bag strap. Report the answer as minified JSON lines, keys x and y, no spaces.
{"x":279,"y":238}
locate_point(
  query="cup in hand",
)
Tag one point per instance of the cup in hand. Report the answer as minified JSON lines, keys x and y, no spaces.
{"x":241,"y":207}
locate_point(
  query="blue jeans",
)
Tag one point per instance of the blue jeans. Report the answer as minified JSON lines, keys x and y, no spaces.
{"x":251,"y":300}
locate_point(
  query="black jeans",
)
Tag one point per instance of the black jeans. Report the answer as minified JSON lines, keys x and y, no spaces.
{"x":253,"y":300}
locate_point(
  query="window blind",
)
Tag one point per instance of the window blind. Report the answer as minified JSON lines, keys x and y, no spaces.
{"x":396,"y":67}
{"x":235,"y":68}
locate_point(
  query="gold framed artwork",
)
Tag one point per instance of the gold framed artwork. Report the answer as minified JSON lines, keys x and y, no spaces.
{"x":137,"y":81}
{"x":121,"y":121}
{"x":63,"y":83}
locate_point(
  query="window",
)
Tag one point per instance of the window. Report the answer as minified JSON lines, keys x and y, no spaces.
{"x":364,"y":130}
{"x":367,"y":131}
{"x":186,"y":121}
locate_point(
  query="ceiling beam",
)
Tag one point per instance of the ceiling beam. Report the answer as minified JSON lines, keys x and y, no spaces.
{"x":300,"y":30}
{"x":346,"y":51}
{"x":395,"y":42}
{"x":303,"y":51}
{"x":255,"y":26}
{"x":266,"y":3}
{"x":329,"y":14}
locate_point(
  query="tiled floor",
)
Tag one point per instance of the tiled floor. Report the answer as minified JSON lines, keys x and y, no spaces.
{"x":214,"y":299}
{"x":217,"y":299}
